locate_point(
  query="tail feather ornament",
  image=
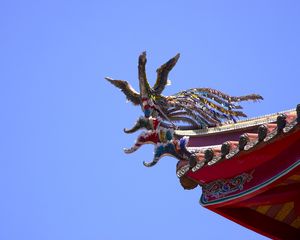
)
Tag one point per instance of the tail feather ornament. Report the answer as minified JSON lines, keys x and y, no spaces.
{"x":190,"y":109}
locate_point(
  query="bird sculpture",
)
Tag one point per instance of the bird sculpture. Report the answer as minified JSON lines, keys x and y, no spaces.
{"x":190,"y":109}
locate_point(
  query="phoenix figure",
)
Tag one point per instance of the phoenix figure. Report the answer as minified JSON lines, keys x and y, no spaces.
{"x":193,"y":108}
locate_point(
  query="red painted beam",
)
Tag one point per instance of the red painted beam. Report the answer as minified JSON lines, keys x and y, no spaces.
{"x":277,"y":195}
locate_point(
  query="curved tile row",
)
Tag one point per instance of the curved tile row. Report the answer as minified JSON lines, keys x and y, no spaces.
{"x":284,"y":124}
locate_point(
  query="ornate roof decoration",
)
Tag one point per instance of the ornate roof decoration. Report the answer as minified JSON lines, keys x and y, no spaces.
{"x":197,"y":108}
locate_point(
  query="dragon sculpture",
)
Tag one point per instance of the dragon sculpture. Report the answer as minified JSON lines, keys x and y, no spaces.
{"x":193,"y":109}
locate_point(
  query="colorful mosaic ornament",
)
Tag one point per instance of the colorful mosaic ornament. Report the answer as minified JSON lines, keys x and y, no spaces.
{"x":162,"y":138}
{"x":224,"y":187}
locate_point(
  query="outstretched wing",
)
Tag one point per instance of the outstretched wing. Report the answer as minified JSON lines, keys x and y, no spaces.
{"x":162,"y":74}
{"x":207,"y":107}
{"x":143,"y":82}
{"x":132,"y":95}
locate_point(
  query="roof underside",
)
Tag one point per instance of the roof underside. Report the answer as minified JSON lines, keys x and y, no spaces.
{"x":274,"y":213}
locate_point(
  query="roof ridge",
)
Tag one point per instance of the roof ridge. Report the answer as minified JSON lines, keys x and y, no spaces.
{"x":250,"y":122}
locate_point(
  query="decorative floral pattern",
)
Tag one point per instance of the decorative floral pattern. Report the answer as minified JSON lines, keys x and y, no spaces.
{"x":223,"y":187}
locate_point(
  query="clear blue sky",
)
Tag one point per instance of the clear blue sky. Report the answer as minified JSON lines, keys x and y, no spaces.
{"x":63,"y":174}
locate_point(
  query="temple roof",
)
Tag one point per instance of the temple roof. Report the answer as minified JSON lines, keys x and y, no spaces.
{"x":247,"y":169}
{"x":241,"y":138}
{"x":253,"y":178}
